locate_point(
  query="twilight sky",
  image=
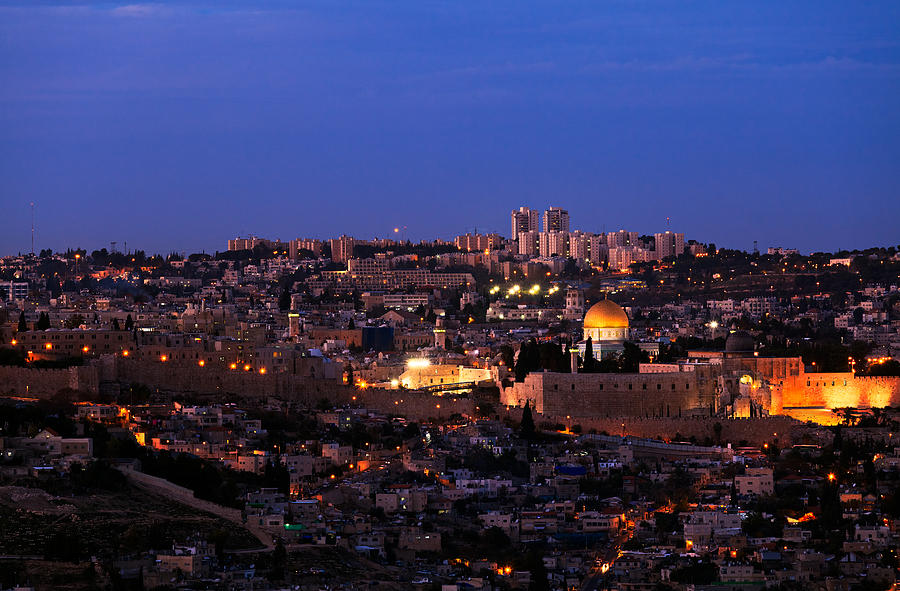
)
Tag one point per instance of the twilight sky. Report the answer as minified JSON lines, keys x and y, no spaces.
{"x":175,"y":126}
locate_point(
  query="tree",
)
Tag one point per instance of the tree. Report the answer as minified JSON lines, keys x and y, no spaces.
{"x":507,"y":355}
{"x":351,"y":325}
{"x":526,"y":427}
{"x":23,"y":326}
{"x":53,"y":286}
{"x":284,"y":300}
{"x":115,"y":324}
{"x":279,"y":560}
{"x":43,"y":322}
{"x":589,"y":364}
{"x":887,"y":369}
{"x":529,"y":359}
{"x":74,"y":321}
{"x":129,"y":322}
{"x":632,"y":357}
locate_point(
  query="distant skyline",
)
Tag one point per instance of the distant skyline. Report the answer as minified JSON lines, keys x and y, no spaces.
{"x":174,"y":126}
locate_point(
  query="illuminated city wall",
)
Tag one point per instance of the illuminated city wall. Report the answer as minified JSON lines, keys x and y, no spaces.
{"x":840,"y":390}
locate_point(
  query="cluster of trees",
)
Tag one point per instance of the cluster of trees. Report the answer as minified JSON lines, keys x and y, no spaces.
{"x":890,"y":368}
{"x":534,"y":356}
{"x":550,"y":356}
{"x":626,"y":362}
{"x":43,"y":322}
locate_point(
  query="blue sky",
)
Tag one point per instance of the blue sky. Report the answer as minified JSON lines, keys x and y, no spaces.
{"x":174,"y":126}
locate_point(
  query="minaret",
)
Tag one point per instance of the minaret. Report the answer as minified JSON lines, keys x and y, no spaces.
{"x":440,"y":337}
{"x":573,"y":359}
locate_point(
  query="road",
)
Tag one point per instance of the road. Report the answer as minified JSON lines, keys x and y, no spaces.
{"x":181,"y":495}
{"x":595,"y":578}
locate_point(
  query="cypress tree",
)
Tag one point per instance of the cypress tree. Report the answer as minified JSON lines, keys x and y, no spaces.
{"x":23,"y":327}
{"x":284,"y":300}
{"x":129,"y":322}
{"x":589,"y":362}
{"x":526,"y":427}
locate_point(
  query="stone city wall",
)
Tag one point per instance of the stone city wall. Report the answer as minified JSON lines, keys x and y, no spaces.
{"x":755,"y":431}
{"x":609,"y":395}
{"x":413,"y":405}
{"x":188,"y":378}
{"x":840,"y":390}
{"x":46,"y":383}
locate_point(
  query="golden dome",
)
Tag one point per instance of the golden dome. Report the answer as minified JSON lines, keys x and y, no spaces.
{"x":606,"y":314}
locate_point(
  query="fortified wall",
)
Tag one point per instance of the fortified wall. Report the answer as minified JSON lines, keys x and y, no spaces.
{"x":46,"y":383}
{"x":609,"y":394}
{"x":413,"y":405}
{"x":840,"y":390}
{"x":755,"y":431}
{"x":189,"y":378}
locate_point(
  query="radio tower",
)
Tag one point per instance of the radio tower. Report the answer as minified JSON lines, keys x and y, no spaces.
{"x":32,"y":228}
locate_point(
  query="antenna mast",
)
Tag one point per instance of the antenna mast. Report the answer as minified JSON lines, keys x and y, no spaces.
{"x":32,"y":228}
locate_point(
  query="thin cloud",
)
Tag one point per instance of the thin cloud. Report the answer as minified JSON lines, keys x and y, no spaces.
{"x":140,"y":10}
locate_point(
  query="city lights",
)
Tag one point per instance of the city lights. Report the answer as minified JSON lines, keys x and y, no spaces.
{"x":618,"y":332}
